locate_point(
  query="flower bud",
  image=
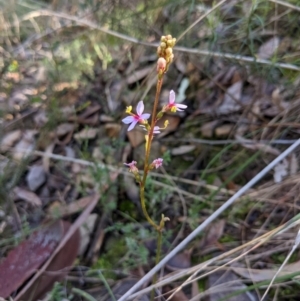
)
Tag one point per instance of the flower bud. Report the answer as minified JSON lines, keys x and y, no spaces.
{"x":163,"y":45}
{"x":169,"y":51}
{"x":161,"y":64}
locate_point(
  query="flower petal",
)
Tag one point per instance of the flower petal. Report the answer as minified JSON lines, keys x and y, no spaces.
{"x":128,"y":119}
{"x":180,"y":106}
{"x":140,"y":108}
{"x":172,"y":97}
{"x":145,"y":116}
{"x":133,"y":124}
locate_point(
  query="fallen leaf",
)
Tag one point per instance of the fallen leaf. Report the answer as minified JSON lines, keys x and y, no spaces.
{"x":64,"y":129}
{"x":257,"y":275}
{"x":25,"y":146}
{"x":250,"y":144}
{"x":231,"y":102}
{"x":180,"y":261}
{"x":57,"y":269}
{"x":214,"y":233}
{"x":9,"y":140}
{"x":280,"y":171}
{"x":27,"y":257}
{"x":138,"y":75}
{"x":222,"y":284}
{"x":136,"y":137}
{"x":224,"y":130}
{"x":28,"y":196}
{"x":86,"y":230}
{"x":183,"y":149}
{"x":267,"y":49}
{"x":207,"y":129}
{"x":63,"y":210}
{"x":87,"y":133}
{"x":35,"y":177}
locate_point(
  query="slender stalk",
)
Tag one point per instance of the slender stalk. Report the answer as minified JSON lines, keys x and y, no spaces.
{"x":153,"y":119}
{"x":147,"y":155}
{"x":143,"y":203}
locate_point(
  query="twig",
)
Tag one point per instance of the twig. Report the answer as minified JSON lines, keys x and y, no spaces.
{"x":40,"y":13}
{"x":286,"y":4}
{"x":210,"y":219}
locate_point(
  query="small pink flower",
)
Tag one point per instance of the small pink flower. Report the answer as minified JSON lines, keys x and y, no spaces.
{"x":172,"y":106}
{"x":157,"y":162}
{"x":135,"y":118}
{"x":132,"y":166}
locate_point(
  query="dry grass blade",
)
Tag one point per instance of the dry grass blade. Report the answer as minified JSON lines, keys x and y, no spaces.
{"x":196,"y":269}
{"x":211,"y":218}
{"x":92,"y":25}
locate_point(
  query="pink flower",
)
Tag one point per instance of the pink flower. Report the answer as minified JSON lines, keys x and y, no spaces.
{"x":132,"y":167}
{"x":157,"y":162}
{"x":135,"y":118}
{"x":172,"y":106}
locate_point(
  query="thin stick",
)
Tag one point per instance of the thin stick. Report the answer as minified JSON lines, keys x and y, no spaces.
{"x":210,"y":219}
{"x":40,"y":13}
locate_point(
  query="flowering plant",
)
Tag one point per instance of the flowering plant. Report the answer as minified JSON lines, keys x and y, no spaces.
{"x":165,"y":54}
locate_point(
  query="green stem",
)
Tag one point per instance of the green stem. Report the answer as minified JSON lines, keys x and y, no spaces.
{"x":158,"y":227}
{"x":157,"y":259}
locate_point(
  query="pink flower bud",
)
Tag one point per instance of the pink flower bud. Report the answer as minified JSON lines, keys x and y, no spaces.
{"x":161,"y":64}
{"x":157,"y":162}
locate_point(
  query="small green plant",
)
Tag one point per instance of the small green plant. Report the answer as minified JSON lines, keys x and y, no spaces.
{"x":165,"y":54}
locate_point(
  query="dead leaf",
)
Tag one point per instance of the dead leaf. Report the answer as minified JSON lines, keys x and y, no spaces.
{"x":113,"y":129}
{"x":231,"y":102}
{"x":28,"y":196}
{"x":136,"y":137}
{"x":222,"y":284}
{"x":207,"y":129}
{"x":64,"y":129}
{"x":250,"y":144}
{"x":28,"y":256}
{"x":280,"y":171}
{"x":180,"y":261}
{"x":267,"y":49}
{"x":57,"y":269}
{"x":9,"y":140}
{"x":35,"y":177}
{"x":224,"y":130}
{"x":87,"y":133}
{"x":86,"y":231}
{"x":138,"y":75}
{"x":257,"y":275}
{"x":25,"y":146}
{"x":214,"y":233}
{"x":70,"y":232}
{"x":183,"y":149}
{"x":63,"y":210}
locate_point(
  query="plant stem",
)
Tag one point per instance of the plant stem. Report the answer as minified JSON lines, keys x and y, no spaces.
{"x":153,"y":120}
{"x":146,"y":164}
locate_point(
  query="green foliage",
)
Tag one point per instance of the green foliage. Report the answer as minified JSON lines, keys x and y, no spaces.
{"x":58,"y":293}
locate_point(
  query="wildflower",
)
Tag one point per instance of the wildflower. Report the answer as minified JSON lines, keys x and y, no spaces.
{"x":135,"y":118}
{"x":132,"y":167}
{"x":157,"y":162}
{"x":172,"y":106}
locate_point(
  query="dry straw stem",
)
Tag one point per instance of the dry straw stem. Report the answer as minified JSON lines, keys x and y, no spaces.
{"x":286,"y":4}
{"x":40,"y":13}
{"x":210,"y":219}
{"x":202,"y":266}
